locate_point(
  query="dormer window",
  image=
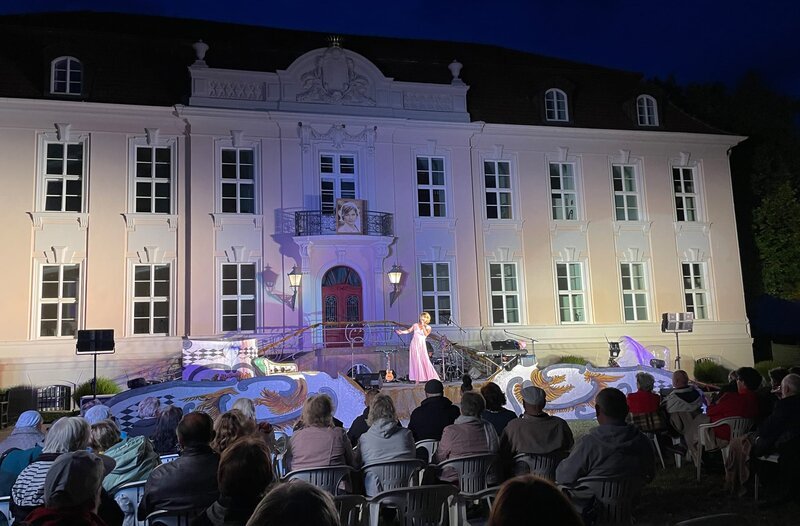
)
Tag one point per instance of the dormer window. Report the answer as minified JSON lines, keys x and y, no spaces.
{"x":647,"y":110}
{"x":66,"y":76}
{"x":555,"y":105}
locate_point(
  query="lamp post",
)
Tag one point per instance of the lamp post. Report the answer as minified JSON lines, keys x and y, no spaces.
{"x":295,"y":277}
{"x":395,"y":275}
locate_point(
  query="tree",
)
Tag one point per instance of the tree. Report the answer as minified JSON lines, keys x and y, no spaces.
{"x":777,"y":233}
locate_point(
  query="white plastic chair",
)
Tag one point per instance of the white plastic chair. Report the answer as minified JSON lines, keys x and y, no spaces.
{"x":326,"y":478}
{"x":429,"y":445}
{"x":4,"y":511}
{"x":473,"y":473}
{"x":351,"y":508}
{"x":419,"y":506}
{"x":169,"y":518}
{"x":615,"y":497}
{"x":540,"y":465}
{"x":131,"y":492}
{"x":166,"y":459}
{"x":738,"y":425}
{"x":392,"y":474}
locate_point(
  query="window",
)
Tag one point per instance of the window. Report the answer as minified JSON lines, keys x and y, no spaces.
{"x":63,"y":176}
{"x":685,"y":194}
{"x":337,"y":180}
{"x":571,"y":294}
{"x":436,"y":298}
{"x":238,"y":297}
{"x":634,"y":291}
{"x":497,"y":178}
{"x":66,"y":76}
{"x":563,"y":196}
{"x":153,"y":179}
{"x":647,"y":110}
{"x":238,"y":191}
{"x":555,"y":105}
{"x":505,"y":293}
{"x":431,"y":187}
{"x":694,"y":290}
{"x":58,"y":300}
{"x":151,"y":293}
{"x":626,"y":195}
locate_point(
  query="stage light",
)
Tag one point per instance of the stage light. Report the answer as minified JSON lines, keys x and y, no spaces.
{"x":613,"y":349}
{"x":295,"y":277}
{"x":395,"y":275}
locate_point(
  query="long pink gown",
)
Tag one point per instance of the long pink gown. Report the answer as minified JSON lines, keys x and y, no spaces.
{"x":420,"y":368}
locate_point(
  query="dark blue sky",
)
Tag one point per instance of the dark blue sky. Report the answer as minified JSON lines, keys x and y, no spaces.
{"x":696,"y":40}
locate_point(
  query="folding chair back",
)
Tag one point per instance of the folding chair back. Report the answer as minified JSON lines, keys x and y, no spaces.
{"x":429,"y":446}
{"x":326,"y":478}
{"x":5,"y":514}
{"x":614,"y":496}
{"x":128,"y":497}
{"x":350,"y":508}
{"x":170,"y":518}
{"x":420,"y":506}
{"x":472,"y":471}
{"x":384,"y":476}
{"x":166,"y":459}
{"x":540,"y":465}
{"x":738,"y":426}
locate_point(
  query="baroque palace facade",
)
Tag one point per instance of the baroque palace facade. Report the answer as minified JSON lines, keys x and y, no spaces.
{"x":162,"y":177}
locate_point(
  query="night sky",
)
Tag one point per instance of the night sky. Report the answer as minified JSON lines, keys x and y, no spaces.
{"x":694,"y":40}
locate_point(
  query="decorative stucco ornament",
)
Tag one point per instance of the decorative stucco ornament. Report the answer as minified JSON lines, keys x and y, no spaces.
{"x":334,"y":80}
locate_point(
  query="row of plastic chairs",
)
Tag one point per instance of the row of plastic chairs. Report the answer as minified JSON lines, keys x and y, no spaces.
{"x":5,"y":514}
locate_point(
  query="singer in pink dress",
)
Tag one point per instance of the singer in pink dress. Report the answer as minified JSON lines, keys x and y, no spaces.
{"x":420,"y":368}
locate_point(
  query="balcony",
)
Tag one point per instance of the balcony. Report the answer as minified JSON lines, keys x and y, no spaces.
{"x":315,"y":223}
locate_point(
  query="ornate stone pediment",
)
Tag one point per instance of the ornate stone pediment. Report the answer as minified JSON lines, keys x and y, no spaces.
{"x":334,"y":80}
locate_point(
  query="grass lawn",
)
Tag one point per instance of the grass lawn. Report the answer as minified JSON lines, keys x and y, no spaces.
{"x":675,"y":495}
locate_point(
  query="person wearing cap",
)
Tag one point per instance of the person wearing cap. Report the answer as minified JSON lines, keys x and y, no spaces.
{"x":72,"y":490}
{"x":434,"y":413}
{"x":612,"y":449}
{"x":535,"y":432}
{"x":27,"y":433}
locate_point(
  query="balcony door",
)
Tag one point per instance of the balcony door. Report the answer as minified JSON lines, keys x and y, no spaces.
{"x":337,"y":175}
{"x":342,"y":304}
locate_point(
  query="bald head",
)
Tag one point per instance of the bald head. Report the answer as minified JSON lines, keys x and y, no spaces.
{"x":611,"y":406}
{"x":790,"y":385}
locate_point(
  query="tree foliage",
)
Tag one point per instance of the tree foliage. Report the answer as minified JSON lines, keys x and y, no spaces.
{"x":776,"y":224}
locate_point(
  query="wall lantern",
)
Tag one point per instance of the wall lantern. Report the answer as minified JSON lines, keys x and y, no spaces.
{"x":295,"y":277}
{"x":395,"y":275}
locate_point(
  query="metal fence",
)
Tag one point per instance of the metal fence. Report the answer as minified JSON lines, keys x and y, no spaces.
{"x":315,"y":223}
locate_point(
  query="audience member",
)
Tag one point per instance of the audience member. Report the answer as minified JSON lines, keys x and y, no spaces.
{"x":466,"y":383}
{"x":495,"y":413}
{"x":229,"y":427}
{"x":645,"y":405}
{"x":148,"y":418}
{"x":319,"y":443}
{"x":71,"y":492}
{"x":245,"y":472}
{"x":385,"y":439}
{"x":134,"y":456}
{"x":265,"y":429}
{"x":742,"y":403}
{"x":98,"y":413}
{"x":518,"y":496}
{"x":612,"y":449}
{"x":776,"y":376}
{"x":683,"y":403}
{"x":434,"y":413}
{"x":27,"y":433}
{"x":469,"y":435}
{"x":14,"y":462}
{"x":296,"y":503}
{"x":359,"y":425}
{"x":188,"y":483}
{"x":535,"y":432}
{"x":165,"y":438}
{"x":65,"y":435}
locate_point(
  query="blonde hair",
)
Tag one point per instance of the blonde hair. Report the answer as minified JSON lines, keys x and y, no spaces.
{"x":426,"y":316}
{"x":381,"y":408}
{"x":318,"y":411}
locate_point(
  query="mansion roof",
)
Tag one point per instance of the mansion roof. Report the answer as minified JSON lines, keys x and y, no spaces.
{"x":146,"y":60}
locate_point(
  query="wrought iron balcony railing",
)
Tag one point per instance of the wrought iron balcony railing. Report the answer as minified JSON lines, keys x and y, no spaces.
{"x":315,"y":223}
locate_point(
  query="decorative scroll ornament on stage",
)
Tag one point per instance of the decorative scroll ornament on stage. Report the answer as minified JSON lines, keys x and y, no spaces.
{"x":334,"y":80}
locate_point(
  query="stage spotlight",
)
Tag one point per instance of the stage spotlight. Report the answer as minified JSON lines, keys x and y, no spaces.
{"x":613,"y":349}
{"x":658,"y":364}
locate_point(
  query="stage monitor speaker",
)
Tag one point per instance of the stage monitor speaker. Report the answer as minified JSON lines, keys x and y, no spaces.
{"x":96,"y":341}
{"x":677,"y":322}
{"x":136,"y":383}
{"x":505,"y":345}
{"x":369,"y":380}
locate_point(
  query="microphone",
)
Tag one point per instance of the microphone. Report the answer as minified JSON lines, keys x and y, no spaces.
{"x":449,"y":320}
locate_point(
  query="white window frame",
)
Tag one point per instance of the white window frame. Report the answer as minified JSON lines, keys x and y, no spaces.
{"x":646,"y":110}
{"x":682,"y":196}
{"x":238,"y":182}
{"x":692,"y":294}
{"x":430,"y":186}
{"x":160,"y":142}
{"x":238,"y":297}
{"x":571,"y":293}
{"x":52,"y":138}
{"x":436,"y":294}
{"x":556,"y":105}
{"x":337,"y":177}
{"x":505,"y":293}
{"x":71,"y":63}
{"x":635,"y":293}
{"x":625,"y":194}
{"x":497,"y":191}
{"x":152,"y":299}
{"x":59,"y":300}
{"x":563,"y":193}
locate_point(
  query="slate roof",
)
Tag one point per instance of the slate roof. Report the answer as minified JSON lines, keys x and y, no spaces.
{"x":142,"y":60}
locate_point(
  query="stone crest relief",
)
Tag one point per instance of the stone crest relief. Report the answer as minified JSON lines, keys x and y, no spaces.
{"x":334,"y":80}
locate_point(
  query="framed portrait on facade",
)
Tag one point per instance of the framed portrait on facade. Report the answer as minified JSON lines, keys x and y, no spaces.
{"x":349,"y":216}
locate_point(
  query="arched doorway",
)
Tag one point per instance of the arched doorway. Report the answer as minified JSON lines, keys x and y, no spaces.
{"x":342,"y":302}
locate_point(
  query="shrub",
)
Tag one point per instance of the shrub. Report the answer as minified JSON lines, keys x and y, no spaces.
{"x":104,"y":386}
{"x":711,"y":372}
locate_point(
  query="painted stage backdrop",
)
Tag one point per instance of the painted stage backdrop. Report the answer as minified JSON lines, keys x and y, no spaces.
{"x":278,"y":398}
{"x":570,"y":388}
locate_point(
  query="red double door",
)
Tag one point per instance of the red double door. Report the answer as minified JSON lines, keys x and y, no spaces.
{"x":342,"y":303}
